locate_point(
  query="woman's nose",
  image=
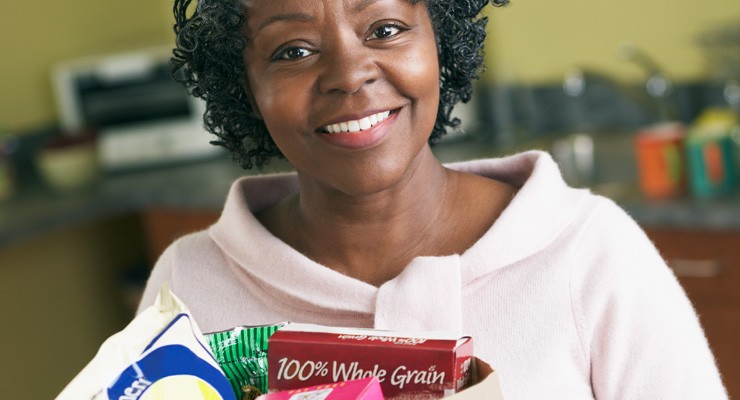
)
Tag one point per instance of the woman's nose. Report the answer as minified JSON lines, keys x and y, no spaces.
{"x":348,"y":67}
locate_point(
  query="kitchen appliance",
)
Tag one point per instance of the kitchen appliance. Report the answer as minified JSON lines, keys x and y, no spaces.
{"x":143,"y":117}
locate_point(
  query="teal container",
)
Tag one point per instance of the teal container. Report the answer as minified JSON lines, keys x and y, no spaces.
{"x":712,"y":166}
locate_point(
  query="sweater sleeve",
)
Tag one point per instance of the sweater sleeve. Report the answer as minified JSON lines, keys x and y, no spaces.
{"x":636,"y":324}
{"x":161,"y":273}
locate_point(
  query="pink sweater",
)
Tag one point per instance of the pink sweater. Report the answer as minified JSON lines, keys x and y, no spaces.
{"x":565,"y":295}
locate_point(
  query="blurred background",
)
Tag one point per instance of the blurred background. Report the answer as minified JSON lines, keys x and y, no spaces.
{"x":103,"y":161}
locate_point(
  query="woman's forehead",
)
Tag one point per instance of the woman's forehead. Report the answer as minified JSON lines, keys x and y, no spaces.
{"x":260,"y":13}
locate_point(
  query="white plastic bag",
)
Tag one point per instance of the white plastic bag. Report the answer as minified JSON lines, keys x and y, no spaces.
{"x":161,"y":354}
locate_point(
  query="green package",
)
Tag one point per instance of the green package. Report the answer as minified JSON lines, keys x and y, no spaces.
{"x":242,"y":354}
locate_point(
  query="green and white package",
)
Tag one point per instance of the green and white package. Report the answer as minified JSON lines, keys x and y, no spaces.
{"x":242,"y":354}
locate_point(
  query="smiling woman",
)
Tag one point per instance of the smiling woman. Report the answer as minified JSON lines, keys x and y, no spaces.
{"x":562,"y":292}
{"x":215,"y":27}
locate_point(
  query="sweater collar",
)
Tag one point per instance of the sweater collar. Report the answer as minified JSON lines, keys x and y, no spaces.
{"x":542,"y":208}
{"x":270,"y":261}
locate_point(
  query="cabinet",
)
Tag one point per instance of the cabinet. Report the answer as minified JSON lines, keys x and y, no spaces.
{"x":163,"y":225}
{"x":707,"y":264}
{"x":60,"y":298}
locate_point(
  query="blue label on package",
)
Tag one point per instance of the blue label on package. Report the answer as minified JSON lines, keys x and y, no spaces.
{"x":175,"y":365}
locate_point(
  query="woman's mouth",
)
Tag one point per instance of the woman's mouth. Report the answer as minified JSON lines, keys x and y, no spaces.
{"x":358,"y":125}
{"x":360,"y":134}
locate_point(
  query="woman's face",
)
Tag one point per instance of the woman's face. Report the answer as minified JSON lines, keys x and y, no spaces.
{"x":348,"y":89}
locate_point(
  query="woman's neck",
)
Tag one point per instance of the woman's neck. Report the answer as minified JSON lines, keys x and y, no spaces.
{"x":372,"y":237}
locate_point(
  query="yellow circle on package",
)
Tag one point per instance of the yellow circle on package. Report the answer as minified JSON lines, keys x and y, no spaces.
{"x":171,"y":372}
{"x":181,"y":387}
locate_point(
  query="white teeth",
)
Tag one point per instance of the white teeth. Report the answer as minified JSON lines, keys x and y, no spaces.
{"x":358,"y":125}
{"x":354,"y":126}
{"x":365,"y":123}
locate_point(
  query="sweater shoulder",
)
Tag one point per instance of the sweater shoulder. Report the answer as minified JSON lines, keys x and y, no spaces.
{"x":184,"y":253}
{"x":603,"y":217}
{"x":193,"y":250}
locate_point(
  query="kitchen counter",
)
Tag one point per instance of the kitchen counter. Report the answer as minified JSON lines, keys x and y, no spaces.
{"x":203,"y":185}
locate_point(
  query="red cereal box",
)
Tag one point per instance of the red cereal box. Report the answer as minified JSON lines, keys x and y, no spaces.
{"x":408,"y":365}
{"x":358,"y":389}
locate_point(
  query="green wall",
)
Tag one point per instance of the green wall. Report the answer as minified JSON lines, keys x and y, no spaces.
{"x":35,"y":34}
{"x":539,"y":40}
{"x":532,"y":40}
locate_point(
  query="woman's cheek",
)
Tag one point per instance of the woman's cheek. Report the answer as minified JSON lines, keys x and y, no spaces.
{"x":276,"y":99}
{"x":418,"y":72}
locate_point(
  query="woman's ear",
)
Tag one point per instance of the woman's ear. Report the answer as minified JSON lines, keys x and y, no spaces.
{"x":245,"y":79}
{"x":253,"y":104}
{"x":250,"y":99}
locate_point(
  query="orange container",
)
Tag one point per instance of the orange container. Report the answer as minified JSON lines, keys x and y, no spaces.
{"x":661,"y":163}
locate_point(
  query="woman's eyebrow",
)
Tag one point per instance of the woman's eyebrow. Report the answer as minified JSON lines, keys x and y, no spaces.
{"x":301,"y":17}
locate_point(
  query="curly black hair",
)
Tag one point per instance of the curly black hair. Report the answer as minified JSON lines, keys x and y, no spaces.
{"x":208,"y":61}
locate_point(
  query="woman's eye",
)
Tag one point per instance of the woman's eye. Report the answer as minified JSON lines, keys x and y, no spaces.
{"x":385,"y":31}
{"x":291,"y":53}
